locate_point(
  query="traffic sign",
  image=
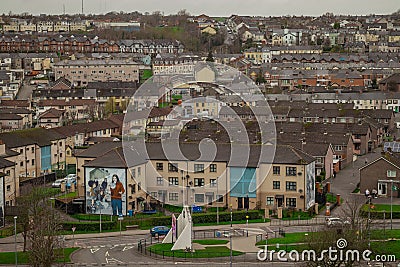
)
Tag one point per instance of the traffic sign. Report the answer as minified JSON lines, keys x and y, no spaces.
{"x":73,"y":229}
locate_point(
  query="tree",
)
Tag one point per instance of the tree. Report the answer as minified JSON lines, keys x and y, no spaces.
{"x":354,"y":232}
{"x":41,"y":226}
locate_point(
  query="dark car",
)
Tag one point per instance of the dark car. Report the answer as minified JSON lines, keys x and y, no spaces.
{"x":159,"y":230}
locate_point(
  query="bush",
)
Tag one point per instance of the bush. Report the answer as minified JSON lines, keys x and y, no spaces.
{"x":88,"y":226}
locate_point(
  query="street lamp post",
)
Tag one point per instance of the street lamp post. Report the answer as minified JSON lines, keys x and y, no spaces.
{"x":230,"y":241}
{"x":100,"y":217}
{"x":15,"y":240}
{"x":247,"y":225}
{"x":391,"y":205}
{"x":369,"y":221}
{"x":217,"y":203}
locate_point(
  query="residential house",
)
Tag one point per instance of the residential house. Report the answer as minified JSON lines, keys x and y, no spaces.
{"x":378,"y":174}
{"x":51,"y":118}
{"x":289,"y":181}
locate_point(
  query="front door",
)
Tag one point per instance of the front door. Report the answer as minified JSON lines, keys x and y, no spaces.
{"x":279,"y":202}
{"x":382,"y":189}
{"x":240,"y":203}
{"x":246,"y":203}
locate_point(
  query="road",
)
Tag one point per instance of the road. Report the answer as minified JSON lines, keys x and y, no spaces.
{"x":25,"y":92}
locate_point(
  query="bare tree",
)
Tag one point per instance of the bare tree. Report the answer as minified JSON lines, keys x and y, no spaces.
{"x":41,"y":226}
{"x":352,"y":233}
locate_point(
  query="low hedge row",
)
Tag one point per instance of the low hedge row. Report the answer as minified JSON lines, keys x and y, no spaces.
{"x":379,"y":214}
{"x":165,"y":220}
{"x":88,"y":226}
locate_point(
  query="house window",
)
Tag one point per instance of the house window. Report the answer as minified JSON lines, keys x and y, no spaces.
{"x":173,"y":196}
{"x":159,"y":166}
{"x":33,"y":162}
{"x":291,"y":171}
{"x":270,"y":201}
{"x":199,"y":198}
{"x":173,"y":181}
{"x":338,"y":148}
{"x":391,"y":173}
{"x":153,"y":194}
{"x":198,"y":181}
{"x":172,"y":167}
{"x":276,"y":185}
{"x":8,"y":188}
{"x":21,"y":163}
{"x":139,"y":171}
{"x":213,"y":182}
{"x":220,"y":198}
{"x":133,"y":173}
{"x":276,"y":170}
{"x":291,"y":186}
{"x":198,"y":167}
{"x":160,"y":181}
{"x":213,"y":167}
{"x":291,"y":202}
{"x":33,"y":149}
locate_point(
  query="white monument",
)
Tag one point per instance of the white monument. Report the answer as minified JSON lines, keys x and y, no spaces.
{"x":181,"y":232}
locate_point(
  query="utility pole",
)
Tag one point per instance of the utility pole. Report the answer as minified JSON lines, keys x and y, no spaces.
{"x":82,"y":7}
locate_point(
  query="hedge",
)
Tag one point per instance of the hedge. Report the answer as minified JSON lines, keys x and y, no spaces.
{"x":379,"y":214}
{"x":88,"y":226}
{"x":164,"y":220}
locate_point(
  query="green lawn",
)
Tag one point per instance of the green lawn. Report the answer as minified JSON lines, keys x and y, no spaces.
{"x":383,"y":207}
{"x":386,"y":248}
{"x":9,"y":257}
{"x":380,"y":234}
{"x":208,"y":252}
{"x":211,"y":241}
{"x":146,"y":74}
{"x":69,"y":195}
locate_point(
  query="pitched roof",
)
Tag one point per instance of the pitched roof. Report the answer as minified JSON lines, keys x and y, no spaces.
{"x":51,"y":113}
{"x":41,"y":137}
{"x":71,"y":130}
{"x":98,"y":149}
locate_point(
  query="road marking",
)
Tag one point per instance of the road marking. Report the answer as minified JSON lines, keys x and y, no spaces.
{"x":93,"y":250}
{"x":127,"y":247}
{"x":113,"y":261}
{"x":107,"y":254}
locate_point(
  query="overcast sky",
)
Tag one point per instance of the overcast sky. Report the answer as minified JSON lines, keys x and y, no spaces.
{"x":209,"y":7}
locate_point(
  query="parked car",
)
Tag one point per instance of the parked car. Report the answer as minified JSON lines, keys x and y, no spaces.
{"x":159,"y":230}
{"x":58,"y":182}
{"x":331,"y":222}
{"x":69,"y":179}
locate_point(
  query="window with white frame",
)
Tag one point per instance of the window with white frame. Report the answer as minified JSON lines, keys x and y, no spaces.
{"x":173,"y":196}
{"x":276,"y":170}
{"x":198,"y":167}
{"x":213,"y":182}
{"x":276,"y":185}
{"x":213,"y":167}
{"x":173,"y":180}
{"x":270,"y":201}
{"x":199,"y":198}
{"x":198,"y":181}
{"x":391,"y":173}
{"x":291,"y":171}
{"x":160,"y":181}
{"x":291,"y":202}
{"x":291,"y":186}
